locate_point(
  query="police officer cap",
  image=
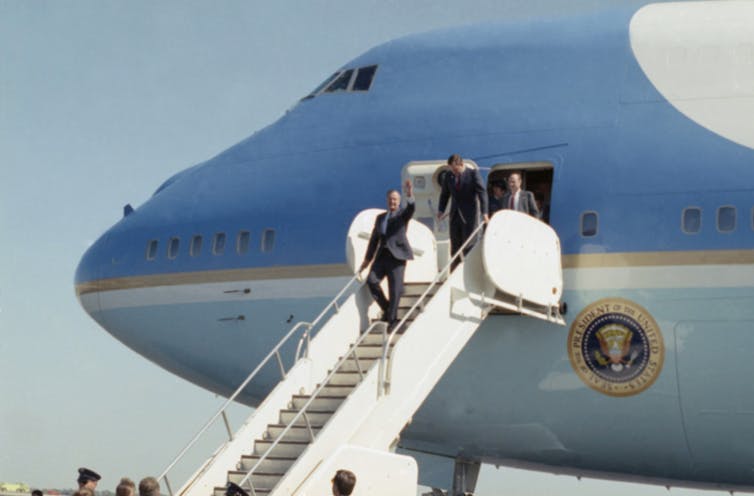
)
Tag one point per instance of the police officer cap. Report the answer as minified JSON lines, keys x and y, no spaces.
{"x":235,"y":490}
{"x":88,"y":475}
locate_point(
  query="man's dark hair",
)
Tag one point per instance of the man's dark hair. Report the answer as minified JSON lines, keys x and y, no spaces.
{"x":391,"y":191}
{"x":149,"y":487}
{"x":126,"y":487}
{"x":454,"y":158}
{"x":344,"y":481}
{"x":36,"y":492}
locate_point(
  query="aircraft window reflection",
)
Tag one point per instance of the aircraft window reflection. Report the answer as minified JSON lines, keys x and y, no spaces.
{"x":341,"y":82}
{"x":726,"y":219}
{"x":152,"y":249}
{"x":196,"y":245}
{"x":691,"y":222}
{"x":589,"y":224}
{"x":268,"y":240}
{"x":242,"y":242}
{"x":364,"y":78}
{"x":173,"y":246}
{"x":218,"y":246}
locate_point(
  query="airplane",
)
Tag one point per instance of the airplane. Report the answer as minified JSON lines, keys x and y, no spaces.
{"x":632,"y":126}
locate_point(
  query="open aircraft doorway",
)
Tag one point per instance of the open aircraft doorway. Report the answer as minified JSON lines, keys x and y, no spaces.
{"x":535,"y":177}
{"x":426,"y":177}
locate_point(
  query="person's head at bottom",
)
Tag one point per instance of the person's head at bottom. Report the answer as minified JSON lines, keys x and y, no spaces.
{"x":343,"y":483}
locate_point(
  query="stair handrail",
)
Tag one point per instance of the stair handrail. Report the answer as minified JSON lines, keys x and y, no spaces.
{"x":438,"y":278}
{"x":275,"y":352}
{"x":313,"y":396}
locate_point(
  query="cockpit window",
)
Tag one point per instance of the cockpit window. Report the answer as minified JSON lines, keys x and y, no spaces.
{"x":364,"y":78}
{"x":348,"y":80}
{"x":321,"y":86}
{"x":341,"y":82}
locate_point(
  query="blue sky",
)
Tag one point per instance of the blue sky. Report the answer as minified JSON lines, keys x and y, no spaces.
{"x":101,"y":101}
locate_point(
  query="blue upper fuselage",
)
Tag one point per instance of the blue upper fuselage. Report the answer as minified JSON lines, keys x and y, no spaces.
{"x":564,"y":90}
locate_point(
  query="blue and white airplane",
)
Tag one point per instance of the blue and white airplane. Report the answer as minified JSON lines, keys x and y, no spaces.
{"x":633,"y":127}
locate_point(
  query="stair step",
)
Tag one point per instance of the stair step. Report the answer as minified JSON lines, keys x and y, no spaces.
{"x":417,"y":289}
{"x":295,"y":433}
{"x":344,"y":378}
{"x":270,"y":464}
{"x":259,"y":479}
{"x":321,"y":402}
{"x":336,"y":390}
{"x":283,"y":448}
{"x":370,"y":350}
{"x":350,"y":364}
{"x":316,"y":417}
{"x":374,"y":338}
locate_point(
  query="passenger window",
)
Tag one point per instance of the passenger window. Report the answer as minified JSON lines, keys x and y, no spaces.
{"x":173,"y":246}
{"x":364,"y":78}
{"x":691,"y":220}
{"x":196,"y":246}
{"x":152,"y":249}
{"x":268,"y":240}
{"x":726,"y":219}
{"x":242,"y":242}
{"x":341,"y":82}
{"x":218,"y":246}
{"x":589,"y":224}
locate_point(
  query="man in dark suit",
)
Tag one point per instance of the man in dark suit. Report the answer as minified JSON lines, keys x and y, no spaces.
{"x":390,"y":245}
{"x":464,"y":185}
{"x":519,"y":199}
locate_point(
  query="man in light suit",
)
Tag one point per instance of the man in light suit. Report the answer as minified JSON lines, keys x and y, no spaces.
{"x":464,"y":185}
{"x":389,"y":247}
{"x":519,"y":199}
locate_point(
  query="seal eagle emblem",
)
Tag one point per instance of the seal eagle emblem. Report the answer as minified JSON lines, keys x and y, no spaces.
{"x":615,"y":347}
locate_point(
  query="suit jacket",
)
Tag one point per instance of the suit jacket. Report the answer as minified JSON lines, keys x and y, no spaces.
{"x":526,"y":202}
{"x":464,"y":204}
{"x":394,"y":238}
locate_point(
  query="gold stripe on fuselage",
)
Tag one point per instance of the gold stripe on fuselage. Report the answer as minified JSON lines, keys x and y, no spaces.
{"x":580,"y":261}
{"x":657,"y":258}
{"x":215,"y":276}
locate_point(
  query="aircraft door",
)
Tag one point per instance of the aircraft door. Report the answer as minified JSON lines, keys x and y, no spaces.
{"x":426,"y":177}
{"x":423,"y":268}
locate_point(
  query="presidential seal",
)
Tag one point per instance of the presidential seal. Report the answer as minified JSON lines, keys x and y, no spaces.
{"x":615,"y":347}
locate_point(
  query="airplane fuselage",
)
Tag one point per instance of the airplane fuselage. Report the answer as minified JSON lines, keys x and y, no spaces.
{"x":653,"y":204}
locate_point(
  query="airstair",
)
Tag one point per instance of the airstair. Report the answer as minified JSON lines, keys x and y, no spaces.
{"x":356,"y":384}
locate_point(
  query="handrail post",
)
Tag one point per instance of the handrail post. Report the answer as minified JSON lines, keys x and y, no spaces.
{"x":227,"y":426}
{"x":167,"y":484}
{"x":309,"y":427}
{"x":280,"y":363}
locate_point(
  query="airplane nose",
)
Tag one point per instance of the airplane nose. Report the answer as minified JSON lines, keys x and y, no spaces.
{"x":87,"y":281}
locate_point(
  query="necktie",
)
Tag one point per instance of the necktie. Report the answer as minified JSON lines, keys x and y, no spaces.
{"x":458,"y":182}
{"x":512,"y":201}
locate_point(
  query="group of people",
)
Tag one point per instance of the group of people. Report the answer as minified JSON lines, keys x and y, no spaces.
{"x":342,"y":485}
{"x":88,"y":479}
{"x":389,"y":249}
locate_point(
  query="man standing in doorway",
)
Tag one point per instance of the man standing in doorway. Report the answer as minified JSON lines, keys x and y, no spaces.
{"x":519,"y":199}
{"x":390,"y":245}
{"x":464,"y":185}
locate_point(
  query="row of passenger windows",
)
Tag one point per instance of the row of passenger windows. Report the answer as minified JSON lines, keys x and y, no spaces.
{"x":347,"y":80}
{"x":218,"y":244}
{"x":691,"y":221}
